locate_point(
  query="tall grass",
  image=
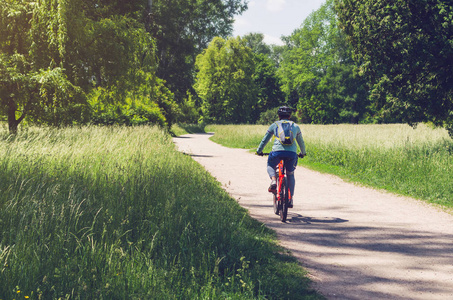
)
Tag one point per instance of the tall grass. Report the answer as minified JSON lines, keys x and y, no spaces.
{"x":118,"y":213}
{"x":415,"y":162}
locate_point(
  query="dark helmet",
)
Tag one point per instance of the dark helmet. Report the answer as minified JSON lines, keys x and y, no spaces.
{"x":285,"y":111}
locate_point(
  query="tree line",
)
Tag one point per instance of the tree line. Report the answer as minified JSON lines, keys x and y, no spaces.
{"x":68,"y":62}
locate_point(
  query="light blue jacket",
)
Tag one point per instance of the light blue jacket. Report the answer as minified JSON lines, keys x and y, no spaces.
{"x":278,"y":146}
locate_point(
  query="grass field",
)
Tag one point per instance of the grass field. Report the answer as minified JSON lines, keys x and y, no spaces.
{"x":118,"y":213}
{"x":415,"y":162}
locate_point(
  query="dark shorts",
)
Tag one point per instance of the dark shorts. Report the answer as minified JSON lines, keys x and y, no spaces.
{"x":290,"y":158}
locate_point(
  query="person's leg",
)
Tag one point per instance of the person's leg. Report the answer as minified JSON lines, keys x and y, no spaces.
{"x":271,"y":172}
{"x":291,"y":163}
{"x":272,"y":163}
{"x":291,"y":182}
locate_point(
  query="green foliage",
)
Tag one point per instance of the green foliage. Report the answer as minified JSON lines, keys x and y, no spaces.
{"x":190,"y":112}
{"x":56,"y":53}
{"x":339,"y":97}
{"x":14,"y":22}
{"x":182,"y":30}
{"x":16,"y":84}
{"x":59,"y":51}
{"x":404,"y":48}
{"x":255,"y":41}
{"x":45,"y":96}
{"x":225,"y":81}
{"x":118,"y":213}
{"x":133,"y":111}
{"x":164,"y":98}
{"x":32,"y":86}
{"x":265,"y":76}
{"x":60,"y":102}
{"x":277,"y":54}
{"x":239,"y":76}
{"x":268,"y":117}
{"x":126,"y":43}
{"x":318,"y":73}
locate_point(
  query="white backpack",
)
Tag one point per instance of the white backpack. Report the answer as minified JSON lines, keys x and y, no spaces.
{"x":285,"y":132}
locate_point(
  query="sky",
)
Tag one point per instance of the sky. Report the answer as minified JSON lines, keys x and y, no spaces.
{"x":274,"y":18}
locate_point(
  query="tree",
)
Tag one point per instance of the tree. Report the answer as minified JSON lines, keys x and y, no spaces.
{"x":317,"y":71}
{"x":339,"y":97}
{"x":120,"y":58}
{"x":182,"y":29}
{"x":225,"y":81}
{"x":265,"y":75}
{"x":28,"y":84}
{"x":405,"y":49}
{"x":255,"y":41}
{"x":56,"y":53}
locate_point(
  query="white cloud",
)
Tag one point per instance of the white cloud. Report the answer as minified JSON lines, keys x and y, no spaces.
{"x":240,"y":22}
{"x":251,"y":4}
{"x":275,"y":5}
{"x":274,"y":18}
{"x":272,"y":40}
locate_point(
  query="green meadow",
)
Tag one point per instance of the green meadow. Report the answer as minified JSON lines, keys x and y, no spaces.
{"x":398,"y":158}
{"x":118,"y":213}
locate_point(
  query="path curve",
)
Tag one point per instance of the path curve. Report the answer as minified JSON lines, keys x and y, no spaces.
{"x":356,"y":242}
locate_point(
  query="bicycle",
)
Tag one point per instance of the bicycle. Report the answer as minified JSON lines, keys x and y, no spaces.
{"x":282,"y":196}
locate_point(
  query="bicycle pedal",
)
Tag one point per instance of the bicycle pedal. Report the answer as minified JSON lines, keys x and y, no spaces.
{"x":272,"y":188}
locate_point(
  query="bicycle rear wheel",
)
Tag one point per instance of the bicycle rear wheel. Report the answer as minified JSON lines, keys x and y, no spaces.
{"x":284,"y":201}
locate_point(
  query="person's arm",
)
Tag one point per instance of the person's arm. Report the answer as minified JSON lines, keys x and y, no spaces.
{"x":265,"y":140}
{"x":301,"y":143}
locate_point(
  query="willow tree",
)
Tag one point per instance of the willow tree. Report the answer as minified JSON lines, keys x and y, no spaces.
{"x":32,"y":52}
{"x":56,"y":52}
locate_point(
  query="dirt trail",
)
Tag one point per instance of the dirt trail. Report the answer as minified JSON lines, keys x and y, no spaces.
{"x":356,"y":242}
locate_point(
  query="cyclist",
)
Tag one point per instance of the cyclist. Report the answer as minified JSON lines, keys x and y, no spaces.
{"x":285,"y":149}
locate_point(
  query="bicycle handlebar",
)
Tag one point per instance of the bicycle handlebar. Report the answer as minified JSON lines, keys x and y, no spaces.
{"x":267,"y":154}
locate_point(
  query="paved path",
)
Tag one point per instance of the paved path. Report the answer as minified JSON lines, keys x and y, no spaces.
{"x":356,"y":242}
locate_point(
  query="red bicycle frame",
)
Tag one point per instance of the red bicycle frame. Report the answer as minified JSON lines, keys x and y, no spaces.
{"x":281,"y":175}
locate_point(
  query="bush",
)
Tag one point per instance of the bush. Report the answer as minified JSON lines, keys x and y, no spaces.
{"x":165,"y":99}
{"x":189,"y":112}
{"x":270,"y":116}
{"x":138,"y":111}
